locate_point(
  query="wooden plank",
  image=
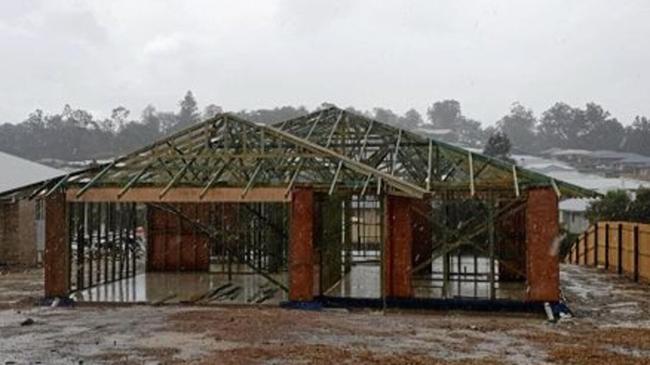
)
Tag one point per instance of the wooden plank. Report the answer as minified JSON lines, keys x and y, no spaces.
{"x":151,"y":194}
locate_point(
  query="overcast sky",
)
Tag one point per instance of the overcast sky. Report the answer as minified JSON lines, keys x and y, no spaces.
{"x":97,"y":55}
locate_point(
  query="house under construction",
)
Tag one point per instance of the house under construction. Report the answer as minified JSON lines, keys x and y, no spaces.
{"x":330,"y":206}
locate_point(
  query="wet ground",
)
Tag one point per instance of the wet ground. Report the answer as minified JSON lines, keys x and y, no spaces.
{"x":188,"y":287}
{"x":612,"y":326}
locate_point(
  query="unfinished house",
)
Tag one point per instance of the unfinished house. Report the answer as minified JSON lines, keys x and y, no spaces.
{"x":329,"y":208}
{"x":21,"y":220}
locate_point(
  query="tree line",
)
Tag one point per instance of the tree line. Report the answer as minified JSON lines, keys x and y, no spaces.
{"x":75,"y":134}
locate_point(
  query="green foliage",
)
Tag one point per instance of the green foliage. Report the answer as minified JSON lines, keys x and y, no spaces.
{"x":274,"y":115}
{"x":411,"y":119}
{"x":590,"y":128}
{"x":188,"y":113}
{"x":637,"y":136}
{"x":519,"y":126}
{"x":498,"y":145}
{"x":447,"y":114}
{"x":615,"y":205}
{"x":640,"y":207}
{"x":386,"y":116}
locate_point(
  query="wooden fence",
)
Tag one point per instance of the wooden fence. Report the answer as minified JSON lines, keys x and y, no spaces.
{"x":621,"y":247}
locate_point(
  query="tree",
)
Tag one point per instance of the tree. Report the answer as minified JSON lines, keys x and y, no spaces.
{"x":411,"y":119}
{"x":637,"y":136}
{"x":150,"y":118}
{"x":602,"y":131}
{"x":498,"y":145}
{"x":561,"y":126}
{"x":445,"y":114}
{"x":119,"y":116}
{"x":470,"y":133}
{"x":640,"y":207}
{"x":188,"y":113}
{"x":168,"y":122}
{"x":592,"y":128}
{"x":273,"y":115}
{"x":519,"y":126}
{"x":386,"y":116}
{"x":211,"y":110}
{"x":615,"y":205}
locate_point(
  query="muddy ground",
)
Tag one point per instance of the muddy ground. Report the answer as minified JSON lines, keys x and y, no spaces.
{"x":612,"y":326}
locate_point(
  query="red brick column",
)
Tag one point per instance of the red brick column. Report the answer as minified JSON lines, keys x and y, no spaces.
{"x":542,"y":227}
{"x":398,"y":247}
{"x":301,"y":245}
{"x":56,"y":258}
{"x":422,"y":233}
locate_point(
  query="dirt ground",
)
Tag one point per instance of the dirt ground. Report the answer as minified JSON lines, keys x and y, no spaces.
{"x":612,"y":326}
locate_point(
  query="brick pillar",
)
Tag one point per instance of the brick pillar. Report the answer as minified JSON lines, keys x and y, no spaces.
{"x":398,"y":247}
{"x":542,"y":228}
{"x":56,"y":258}
{"x":422,"y":233}
{"x":301,"y":245}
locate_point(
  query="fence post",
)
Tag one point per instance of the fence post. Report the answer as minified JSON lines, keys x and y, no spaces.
{"x":620,"y":248}
{"x":596,"y":245}
{"x":586,"y":246}
{"x":636,"y":253}
{"x":607,"y":246}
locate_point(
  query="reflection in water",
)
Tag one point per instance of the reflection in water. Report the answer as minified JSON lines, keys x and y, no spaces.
{"x":175,"y":287}
{"x":468,"y":279}
{"x":363,"y":281}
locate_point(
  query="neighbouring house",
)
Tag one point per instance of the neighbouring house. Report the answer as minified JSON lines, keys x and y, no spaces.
{"x":573,"y":211}
{"x":610,"y":163}
{"x":572,"y":215}
{"x":21,"y":220}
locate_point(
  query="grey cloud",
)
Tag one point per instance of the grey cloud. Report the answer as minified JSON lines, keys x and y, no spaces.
{"x":397,"y":54}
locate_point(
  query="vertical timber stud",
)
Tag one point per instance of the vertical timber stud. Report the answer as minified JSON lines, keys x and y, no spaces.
{"x":586,"y":255}
{"x":301,"y":245}
{"x":57,"y":248}
{"x":542,"y":228}
{"x":398,"y":257}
